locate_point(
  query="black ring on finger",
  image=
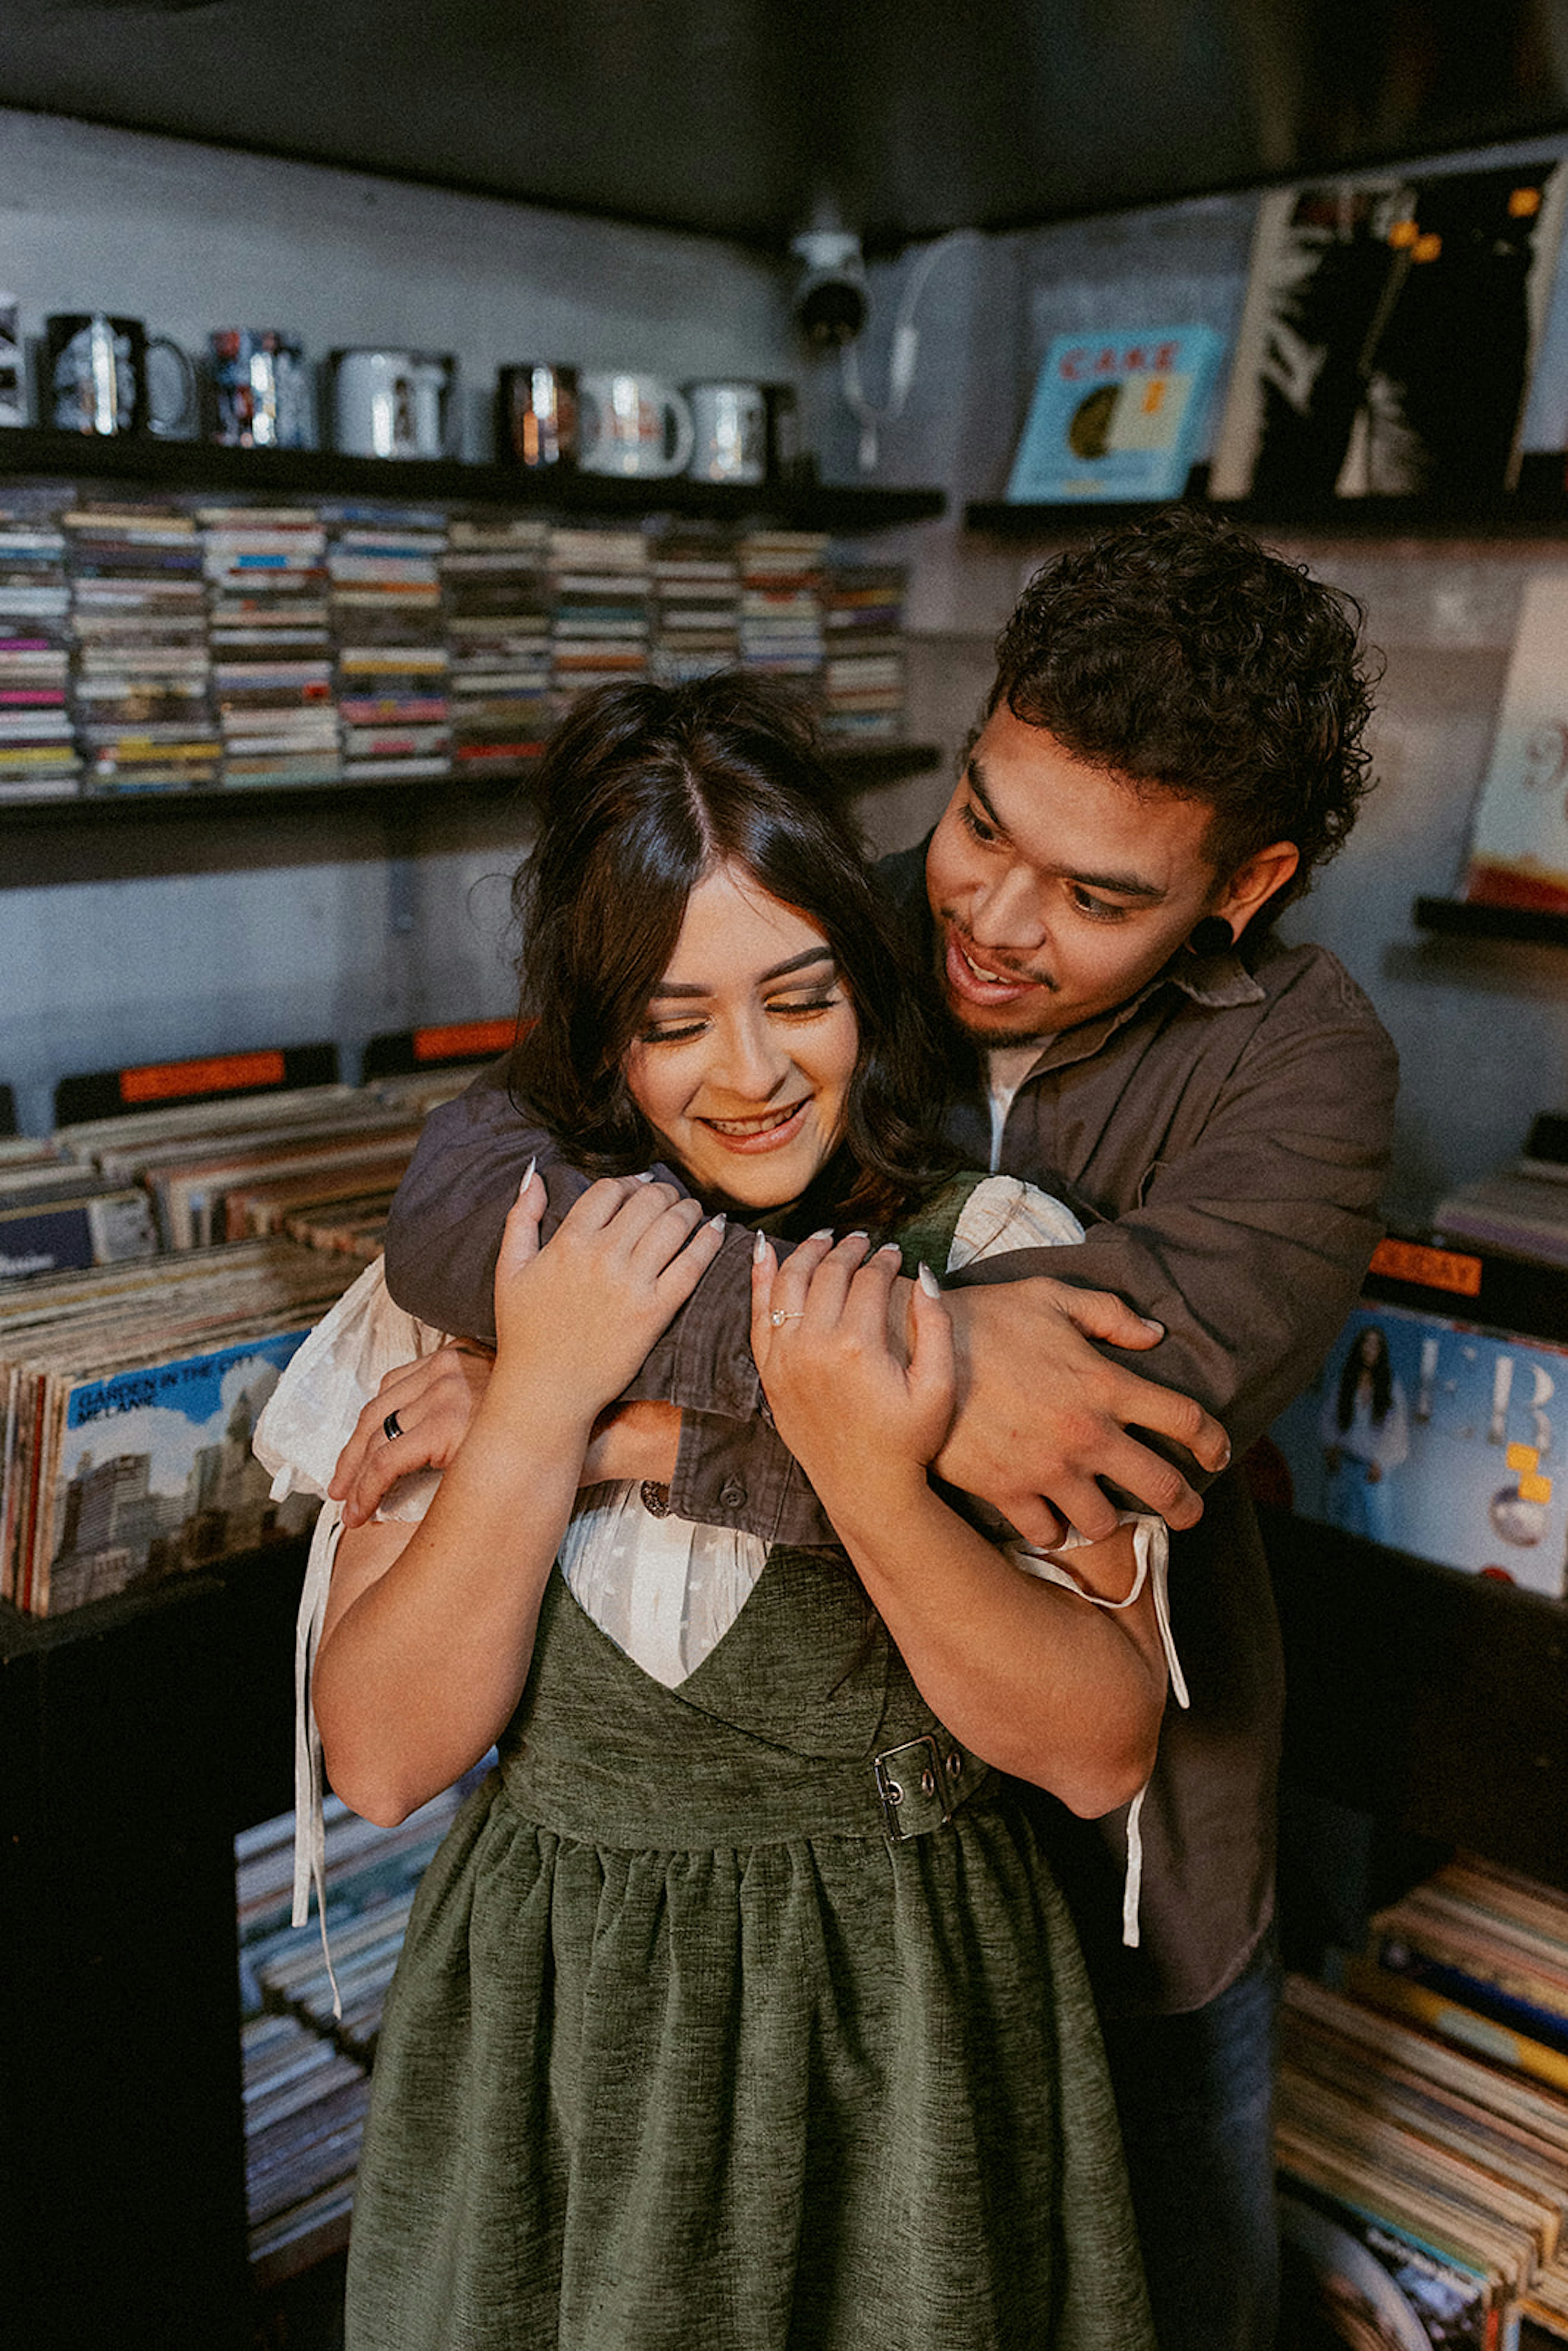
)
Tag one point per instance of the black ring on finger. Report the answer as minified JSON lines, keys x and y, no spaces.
{"x":392,"y":1428}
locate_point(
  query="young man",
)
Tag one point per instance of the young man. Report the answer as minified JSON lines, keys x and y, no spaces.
{"x":1172,"y":746}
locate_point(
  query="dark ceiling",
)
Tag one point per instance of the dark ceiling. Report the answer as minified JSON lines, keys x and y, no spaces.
{"x":742,"y":118}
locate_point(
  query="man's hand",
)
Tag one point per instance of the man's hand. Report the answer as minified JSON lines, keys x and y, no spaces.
{"x":1042,"y":1415}
{"x":632,"y":1443}
{"x":433,"y":1400}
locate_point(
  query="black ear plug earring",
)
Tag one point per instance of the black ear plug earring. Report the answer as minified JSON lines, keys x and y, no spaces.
{"x":1212,"y":935}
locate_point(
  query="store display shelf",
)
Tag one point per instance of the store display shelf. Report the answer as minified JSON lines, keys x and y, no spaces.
{"x":1536,"y":509}
{"x":1459,"y":918}
{"x":858,"y":768}
{"x":205,"y":465}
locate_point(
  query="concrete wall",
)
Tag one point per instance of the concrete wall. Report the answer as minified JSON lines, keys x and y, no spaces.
{"x":185,"y":938}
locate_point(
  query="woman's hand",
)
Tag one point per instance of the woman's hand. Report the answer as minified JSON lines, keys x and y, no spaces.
{"x":434,"y":1399}
{"x":846,"y":1401}
{"x":579,"y":1313}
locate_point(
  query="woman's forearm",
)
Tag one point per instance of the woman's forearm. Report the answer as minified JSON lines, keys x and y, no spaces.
{"x":429,"y":1631}
{"x":1031,"y":1678}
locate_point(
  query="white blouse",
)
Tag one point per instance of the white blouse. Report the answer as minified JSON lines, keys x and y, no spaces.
{"x":664,"y":1589}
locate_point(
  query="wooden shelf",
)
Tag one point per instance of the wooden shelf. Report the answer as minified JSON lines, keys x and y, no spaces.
{"x":1459,"y":918}
{"x":1537,"y":508}
{"x":857,"y":767}
{"x":205,"y":465}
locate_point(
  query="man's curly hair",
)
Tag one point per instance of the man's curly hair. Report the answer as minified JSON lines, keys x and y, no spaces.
{"x":1176,"y":651}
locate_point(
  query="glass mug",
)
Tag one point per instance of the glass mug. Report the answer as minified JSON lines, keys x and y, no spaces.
{"x":96,"y":377}
{"x":260,"y":389}
{"x":637,"y":426}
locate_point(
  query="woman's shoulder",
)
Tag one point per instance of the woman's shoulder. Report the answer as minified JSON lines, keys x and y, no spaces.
{"x":1003,"y":1212}
{"x":332,"y":1375}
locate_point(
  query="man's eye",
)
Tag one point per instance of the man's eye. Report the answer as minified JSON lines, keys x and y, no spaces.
{"x":976,"y":824}
{"x":1098,"y":910}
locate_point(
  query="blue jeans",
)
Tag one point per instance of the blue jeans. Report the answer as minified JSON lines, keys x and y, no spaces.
{"x":1195,"y":2095}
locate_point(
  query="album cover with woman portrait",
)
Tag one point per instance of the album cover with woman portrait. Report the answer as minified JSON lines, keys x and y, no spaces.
{"x":1388,"y":334}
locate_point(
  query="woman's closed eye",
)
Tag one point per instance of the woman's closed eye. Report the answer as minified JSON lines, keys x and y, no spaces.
{"x":679,"y":1031}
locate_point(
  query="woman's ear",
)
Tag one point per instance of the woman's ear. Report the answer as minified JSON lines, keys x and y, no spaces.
{"x":1254,"y":884}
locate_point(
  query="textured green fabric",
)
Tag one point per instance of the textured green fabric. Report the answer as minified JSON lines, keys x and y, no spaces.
{"x":685,"y":2052}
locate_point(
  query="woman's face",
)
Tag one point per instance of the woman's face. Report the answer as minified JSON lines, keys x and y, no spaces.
{"x":744,"y":1061}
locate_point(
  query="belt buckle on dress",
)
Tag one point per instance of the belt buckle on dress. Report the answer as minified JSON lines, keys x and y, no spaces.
{"x":920,"y":1762}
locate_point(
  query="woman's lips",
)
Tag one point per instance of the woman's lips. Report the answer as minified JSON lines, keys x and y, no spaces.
{"x":977,"y":983}
{"x":768,"y":1131}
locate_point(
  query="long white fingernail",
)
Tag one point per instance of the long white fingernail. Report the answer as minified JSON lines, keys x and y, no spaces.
{"x":717,"y":1222}
{"x":643,"y":1175}
{"x":890,"y":1249}
{"x":528,"y":1177}
{"x":760,"y":1248}
{"x":928,"y":1281}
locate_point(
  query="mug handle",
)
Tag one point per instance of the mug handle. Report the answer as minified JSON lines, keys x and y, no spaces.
{"x":678,"y":410}
{"x":184,"y":419}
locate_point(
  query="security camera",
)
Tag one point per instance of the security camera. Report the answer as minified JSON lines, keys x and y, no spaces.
{"x":830,"y":300}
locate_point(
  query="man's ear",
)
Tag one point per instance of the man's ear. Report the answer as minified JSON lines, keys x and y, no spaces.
{"x":1252,"y":884}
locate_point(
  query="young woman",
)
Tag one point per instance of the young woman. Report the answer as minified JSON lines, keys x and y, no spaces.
{"x":738,"y":2008}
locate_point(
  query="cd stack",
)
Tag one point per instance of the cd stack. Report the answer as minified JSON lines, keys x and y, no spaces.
{"x":37,"y":753}
{"x":272,"y":650}
{"x":142,"y":681}
{"x":696,"y":602}
{"x":392,"y":662}
{"x":601,"y":626}
{"x":862,"y":673}
{"x":497,"y":578}
{"x":782,"y":604}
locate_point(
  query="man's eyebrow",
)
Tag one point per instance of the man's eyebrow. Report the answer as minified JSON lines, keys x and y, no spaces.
{"x":673,"y":988}
{"x":1120,"y":885}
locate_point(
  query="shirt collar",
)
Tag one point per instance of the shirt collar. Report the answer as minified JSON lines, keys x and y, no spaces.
{"x":1216,"y":982}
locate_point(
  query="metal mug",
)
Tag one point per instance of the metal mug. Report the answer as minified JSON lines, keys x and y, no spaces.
{"x":96,"y":377}
{"x":388,"y":403}
{"x":536,"y":416}
{"x":260,"y":389}
{"x":635,"y":425}
{"x":729,"y":424}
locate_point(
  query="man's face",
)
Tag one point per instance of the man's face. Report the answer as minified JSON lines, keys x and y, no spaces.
{"x":1057,"y":888}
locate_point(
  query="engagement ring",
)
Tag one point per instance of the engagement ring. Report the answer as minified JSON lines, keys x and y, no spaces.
{"x":780,"y":1314}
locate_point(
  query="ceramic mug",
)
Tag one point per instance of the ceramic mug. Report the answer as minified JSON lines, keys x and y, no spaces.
{"x":536,"y":416}
{"x":13,"y":366}
{"x":96,"y":377}
{"x":392,"y":403}
{"x":729,"y":422}
{"x":635,"y":425}
{"x":260,"y":389}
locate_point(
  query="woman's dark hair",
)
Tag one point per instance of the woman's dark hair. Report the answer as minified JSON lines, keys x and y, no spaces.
{"x":645,"y":790}
{"x":1178,"y":653}
{"x":1378,"y":1371}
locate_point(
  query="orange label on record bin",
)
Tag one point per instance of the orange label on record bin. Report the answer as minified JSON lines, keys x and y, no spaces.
{"x":1434,"y":1268}
{"x":226,"y":1073}
{"x":463,"y":1037}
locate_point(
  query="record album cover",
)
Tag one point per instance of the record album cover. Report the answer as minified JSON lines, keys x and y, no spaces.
{"x":1388,"y":333}
{"x":1519,"y":840}
{"x":1116,"y":414}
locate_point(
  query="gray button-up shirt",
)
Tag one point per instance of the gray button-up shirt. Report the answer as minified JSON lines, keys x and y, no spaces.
{"x":1225,"y":1137}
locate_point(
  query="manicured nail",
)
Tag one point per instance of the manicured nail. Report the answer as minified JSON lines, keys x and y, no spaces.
{"x":929,"y":1282}
{"x":760,"y":1248}
{"x":528,"y":1178}
{"x":1150,"y":1324}
{"x":890,"y":1249}
{"x":825,"y":1235}
{"x":643,"y":1175}
{"x":717,"y":1222}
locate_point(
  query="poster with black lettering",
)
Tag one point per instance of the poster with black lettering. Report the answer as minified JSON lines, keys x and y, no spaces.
{"x":1116,"y":414}
{"x":1389,"y":329}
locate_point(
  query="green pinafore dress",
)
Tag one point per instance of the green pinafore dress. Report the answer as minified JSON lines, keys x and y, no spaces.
{"x":741,"y":2016}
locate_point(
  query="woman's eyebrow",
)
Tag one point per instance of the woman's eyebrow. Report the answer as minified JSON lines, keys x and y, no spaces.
{"x":673,"y":988}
